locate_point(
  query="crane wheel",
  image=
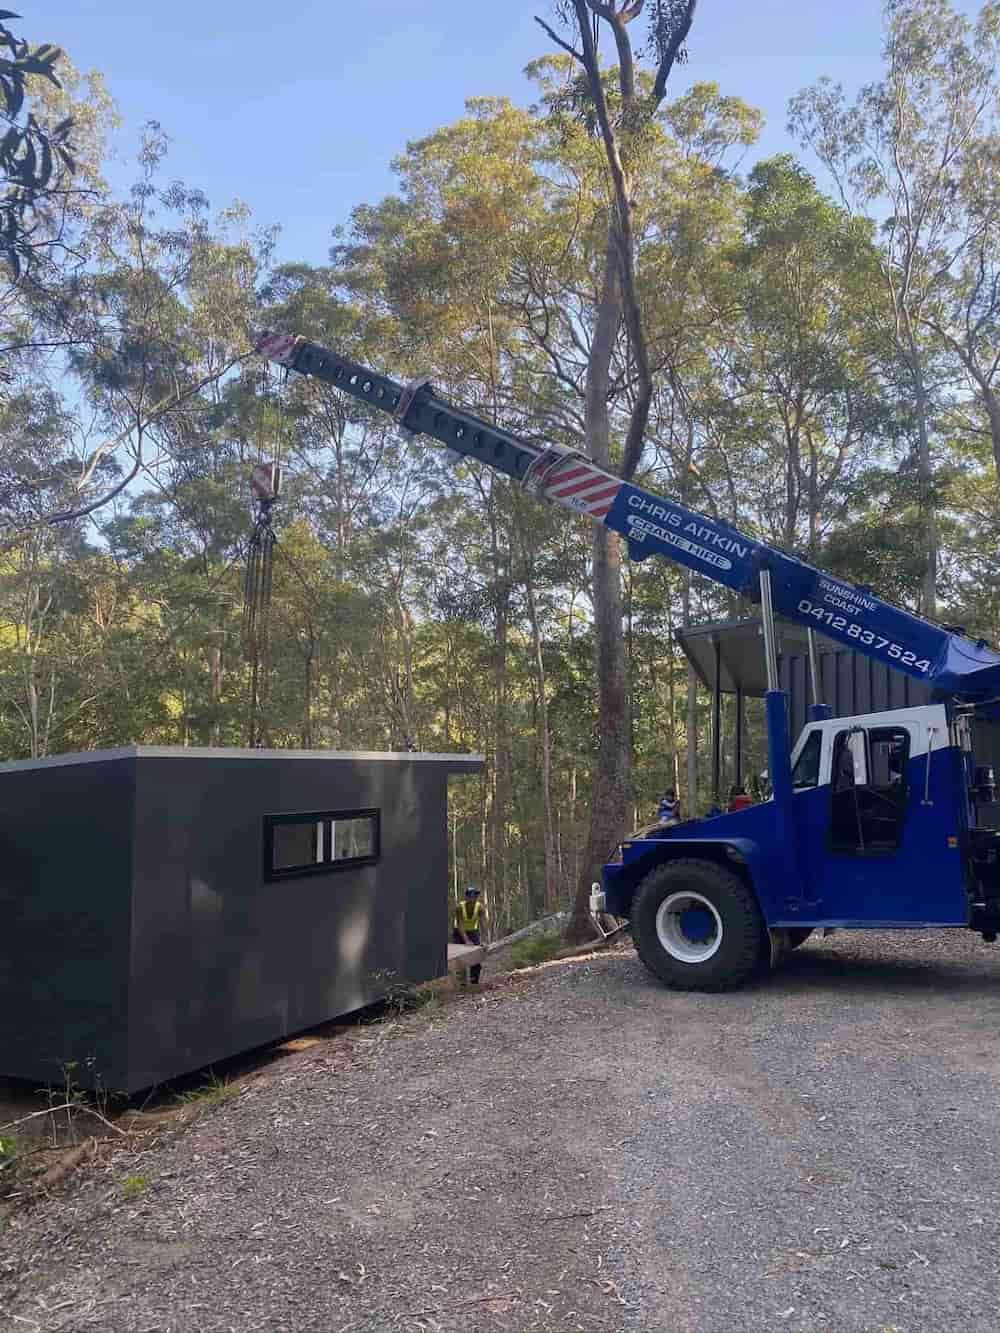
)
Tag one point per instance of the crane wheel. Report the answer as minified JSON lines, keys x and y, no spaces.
{"x":698,"y":926}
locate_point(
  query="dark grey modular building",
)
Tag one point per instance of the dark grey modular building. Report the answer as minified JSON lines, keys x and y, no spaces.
{"x":163,"y":909}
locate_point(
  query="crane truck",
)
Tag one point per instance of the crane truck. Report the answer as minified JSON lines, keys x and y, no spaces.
{"x":877,"y":821}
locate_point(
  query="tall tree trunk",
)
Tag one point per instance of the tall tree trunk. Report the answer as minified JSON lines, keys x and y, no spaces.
{"x":813,"y":497}
{"x":675,"y":771}
{"x":31,"y":698}
{"x":501,"y":784}
{"x":612,"y":789}
{"x":307,"y":697}
{"x":501,"y":773}
{"x":485,"y":799}
{"x":49,"y":713}
{"x":612,"y":794}
{"x":545,"y":746}
{"x":215,"y":670}
{"x":791,"y":491}
{"x":925,"y":472}
{"x":691,"y":700}
{"x":574,"y":873}
{"x":34,"y":614}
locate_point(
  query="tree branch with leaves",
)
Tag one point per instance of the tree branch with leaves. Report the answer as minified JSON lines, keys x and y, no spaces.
{"x":36,"y":159}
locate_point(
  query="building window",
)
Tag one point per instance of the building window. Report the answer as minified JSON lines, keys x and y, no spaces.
{"x":354,"y":838}
{"x":297,"y":846}
{"x":311,"y":844}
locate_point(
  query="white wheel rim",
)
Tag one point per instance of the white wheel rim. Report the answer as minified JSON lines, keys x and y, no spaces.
{"x":689,"y":927}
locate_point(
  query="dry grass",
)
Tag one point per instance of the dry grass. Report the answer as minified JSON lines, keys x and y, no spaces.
{"x":213,"y":1093}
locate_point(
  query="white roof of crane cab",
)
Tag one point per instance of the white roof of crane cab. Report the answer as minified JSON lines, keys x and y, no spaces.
{"x":471,"y":762}
{"x":927,"y":725}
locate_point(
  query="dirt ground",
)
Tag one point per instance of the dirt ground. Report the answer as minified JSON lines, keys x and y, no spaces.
{"x":572,"y":1148}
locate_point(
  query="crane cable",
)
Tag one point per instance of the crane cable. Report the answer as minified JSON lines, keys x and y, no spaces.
{"x":259,"y":578}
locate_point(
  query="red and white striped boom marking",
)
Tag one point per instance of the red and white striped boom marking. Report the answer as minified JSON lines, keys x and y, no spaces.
{"x":280,"y":347}
{"x":584,"y":487}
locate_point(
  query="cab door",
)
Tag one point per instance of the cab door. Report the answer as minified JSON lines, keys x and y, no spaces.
{"x":888,"y":855}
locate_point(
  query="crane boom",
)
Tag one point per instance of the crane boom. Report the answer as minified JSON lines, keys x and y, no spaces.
{"x":852,"y":615}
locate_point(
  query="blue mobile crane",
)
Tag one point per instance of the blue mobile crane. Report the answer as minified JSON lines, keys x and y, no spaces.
{"x":883,"y":820}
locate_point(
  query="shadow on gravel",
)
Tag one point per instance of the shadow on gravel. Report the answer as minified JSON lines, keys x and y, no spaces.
{"x":830,"y":971}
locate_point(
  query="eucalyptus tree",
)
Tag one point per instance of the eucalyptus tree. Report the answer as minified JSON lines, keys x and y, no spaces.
{"x":621,"y":121}
{"x":899,"y":153}
{"x":963,"y":314}
{"x":807,"y":363}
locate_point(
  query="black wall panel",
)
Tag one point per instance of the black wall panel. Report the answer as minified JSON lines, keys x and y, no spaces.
{"x":262,"y":958}
{"x":65,"y":890}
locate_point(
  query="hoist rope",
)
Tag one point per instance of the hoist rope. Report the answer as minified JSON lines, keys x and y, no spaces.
{"x":259,"y":580}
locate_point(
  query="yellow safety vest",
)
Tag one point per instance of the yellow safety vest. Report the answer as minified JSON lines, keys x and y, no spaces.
{"x":467,"y":915}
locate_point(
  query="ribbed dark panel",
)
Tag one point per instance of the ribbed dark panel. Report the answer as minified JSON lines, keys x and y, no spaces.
{"x":852,"y":685}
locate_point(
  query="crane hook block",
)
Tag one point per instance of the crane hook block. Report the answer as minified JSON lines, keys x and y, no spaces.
{"x":265,"y":482}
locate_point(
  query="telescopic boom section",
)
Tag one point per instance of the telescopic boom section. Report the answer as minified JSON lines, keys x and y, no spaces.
{"x":951,"y":665}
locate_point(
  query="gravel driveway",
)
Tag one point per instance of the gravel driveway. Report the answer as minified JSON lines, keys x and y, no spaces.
{"x":576,"y":1148}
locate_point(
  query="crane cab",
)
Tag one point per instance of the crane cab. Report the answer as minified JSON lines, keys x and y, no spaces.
{"x":886,"y":826}
{"x":881,"y":812}
{"x":904,"y":791}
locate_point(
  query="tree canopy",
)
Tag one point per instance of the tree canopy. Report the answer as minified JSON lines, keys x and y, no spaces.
{"x":806,"y":345}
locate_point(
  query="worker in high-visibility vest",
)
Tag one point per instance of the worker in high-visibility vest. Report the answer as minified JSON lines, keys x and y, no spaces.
{"x":470,"y":918}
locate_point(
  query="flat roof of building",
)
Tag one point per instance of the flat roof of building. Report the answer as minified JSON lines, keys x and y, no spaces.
{"x":468,"y":762}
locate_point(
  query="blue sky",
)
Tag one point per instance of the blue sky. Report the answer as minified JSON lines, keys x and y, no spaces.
{"x":299,"y":107}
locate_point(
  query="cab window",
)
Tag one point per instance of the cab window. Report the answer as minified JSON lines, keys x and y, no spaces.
{"x":806,"y":770}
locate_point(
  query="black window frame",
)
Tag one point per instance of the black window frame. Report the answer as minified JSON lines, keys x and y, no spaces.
{"x":326,"y":865}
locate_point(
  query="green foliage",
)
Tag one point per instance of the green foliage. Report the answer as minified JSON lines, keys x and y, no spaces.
{"x":535,"y":949}
{"x":213,"y":1093}
{"x":134,"y":1187}
{"x":412,"y":999}
{"x":36,"y":158}
{"x":15,"y":1150}
{"x":419,"y":602}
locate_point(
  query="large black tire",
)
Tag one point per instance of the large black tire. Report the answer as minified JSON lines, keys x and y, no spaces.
{"x":742,"y":948}
{"x":798,"y":936}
